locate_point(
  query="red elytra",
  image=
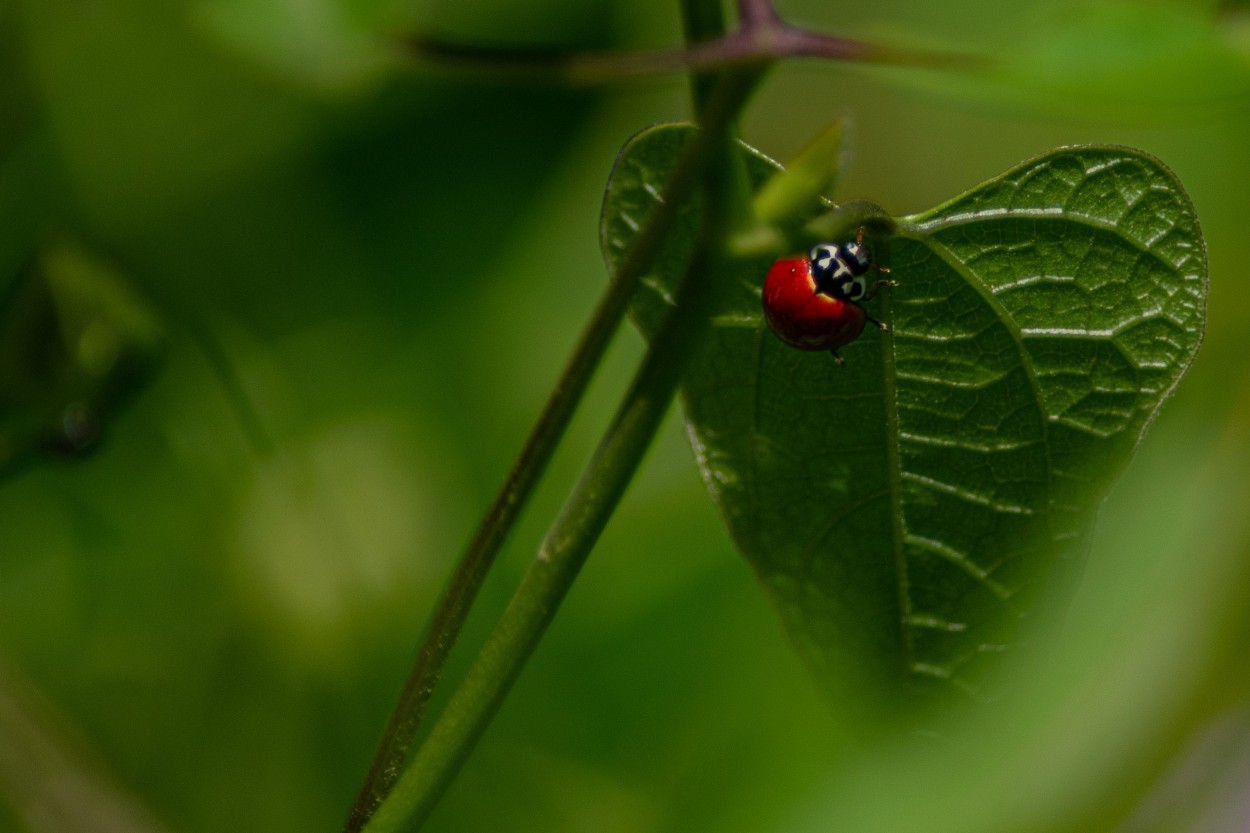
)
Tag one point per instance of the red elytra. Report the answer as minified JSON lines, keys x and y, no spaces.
{"x":803,"y":317}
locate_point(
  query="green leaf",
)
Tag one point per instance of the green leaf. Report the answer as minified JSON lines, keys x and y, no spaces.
{"x":1112,"y":62}
{"x":76,"y":343}
{"x":908,"y":511}
{"x":332,"y":45}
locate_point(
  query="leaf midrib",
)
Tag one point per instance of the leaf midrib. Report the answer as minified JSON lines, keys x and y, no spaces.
{"x":893,"y":429}
{"x":894,"y":464}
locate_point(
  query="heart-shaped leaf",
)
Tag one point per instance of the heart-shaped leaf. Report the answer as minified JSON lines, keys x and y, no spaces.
{"x":907,"y":510}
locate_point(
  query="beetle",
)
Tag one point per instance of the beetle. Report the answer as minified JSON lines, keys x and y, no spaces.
{"x":813,"y":302}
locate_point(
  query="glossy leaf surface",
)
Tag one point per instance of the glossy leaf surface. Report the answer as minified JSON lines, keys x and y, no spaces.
{"x":908,"y":511}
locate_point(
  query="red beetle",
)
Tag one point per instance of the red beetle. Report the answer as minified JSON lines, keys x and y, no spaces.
{"x":813,"y":302}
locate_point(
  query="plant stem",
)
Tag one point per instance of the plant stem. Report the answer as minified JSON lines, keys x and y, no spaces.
{"x":762,"y":39}
{"x":703,"y":18}
{"x":453,"y":607}
{"x":701,"y":22}
{"x":538,"y":597}
{"x":575,"y":531}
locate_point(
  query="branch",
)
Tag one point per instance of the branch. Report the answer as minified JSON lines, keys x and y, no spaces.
{"x":763,"y":38}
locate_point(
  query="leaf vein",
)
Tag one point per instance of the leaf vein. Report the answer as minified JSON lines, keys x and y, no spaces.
{"x":968,"y":445}
{"x":967,"y":494}
{"x":961,"y":560}
{"x":949,"y":382}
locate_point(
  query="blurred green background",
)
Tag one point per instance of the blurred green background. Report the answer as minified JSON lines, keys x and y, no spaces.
{"x":365,"y":276}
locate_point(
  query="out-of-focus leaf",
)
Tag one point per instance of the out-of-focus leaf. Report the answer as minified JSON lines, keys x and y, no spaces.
{"x":328,"y":44}
{"x":1113,"y":62}
{"x":1134,"y":60}
{"x":906,"y":510}
{"x":145,"y":117}
{"x":48,"y":779}
{"x":75,"y":342}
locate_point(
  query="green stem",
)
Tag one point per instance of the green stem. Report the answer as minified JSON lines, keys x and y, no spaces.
{"x":453,"y":607}
{"x":702,"y":21}
{"x":585,"y":514}
{"x":537,"y":599}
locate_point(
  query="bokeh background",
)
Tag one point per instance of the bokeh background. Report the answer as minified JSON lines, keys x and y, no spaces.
{"x":348,"y":281}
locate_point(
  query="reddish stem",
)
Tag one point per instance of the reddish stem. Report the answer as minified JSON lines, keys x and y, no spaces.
{"x":762,"y":37}
{"x":756,"y":13}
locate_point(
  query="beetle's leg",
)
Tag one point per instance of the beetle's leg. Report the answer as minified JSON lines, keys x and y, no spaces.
{"x":881,"y":325}
{"x":872,"y":290}
{"x":841,"y":361}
